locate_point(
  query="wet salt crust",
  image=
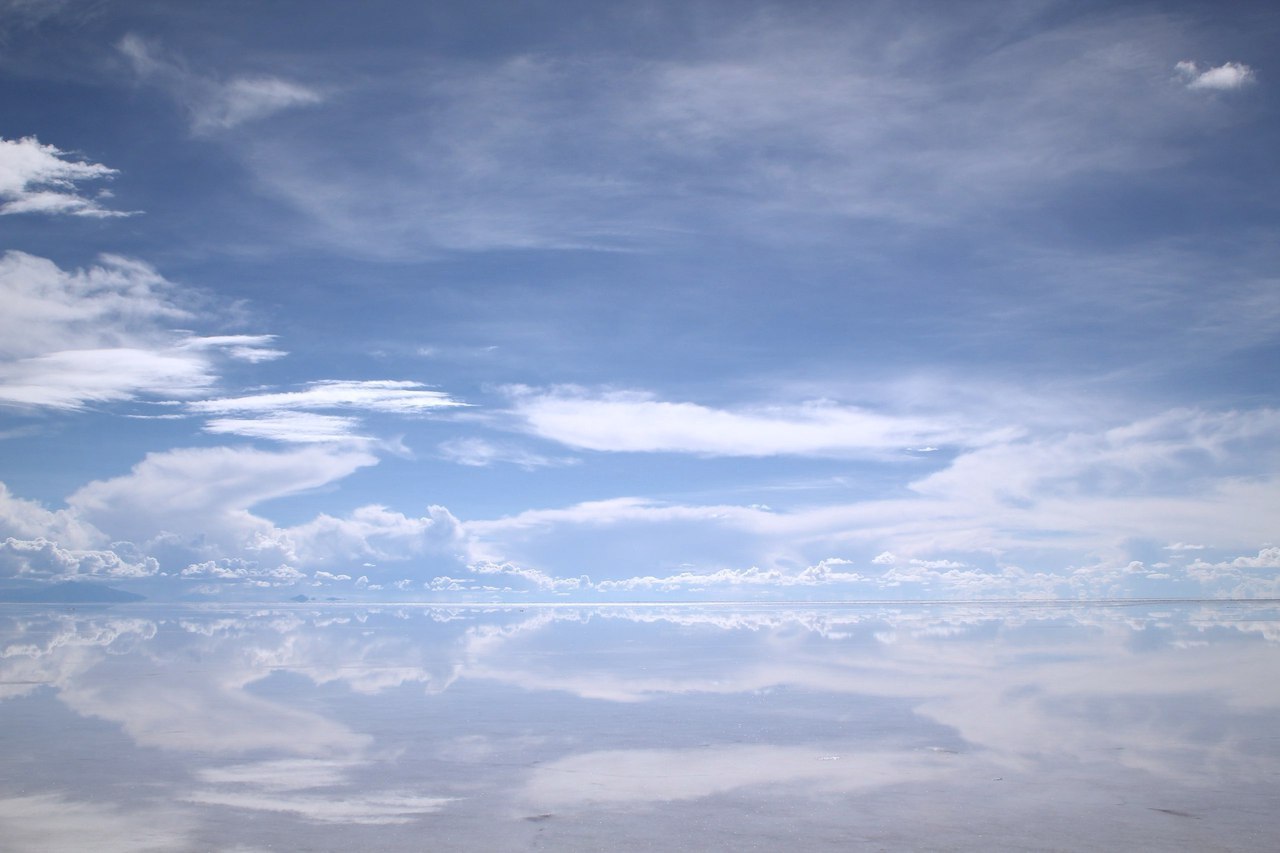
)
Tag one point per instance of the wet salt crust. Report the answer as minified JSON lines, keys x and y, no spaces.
{"x":958,"y":727}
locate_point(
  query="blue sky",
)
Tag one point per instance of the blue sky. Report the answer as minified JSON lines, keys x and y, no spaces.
{"x":640,"y":301}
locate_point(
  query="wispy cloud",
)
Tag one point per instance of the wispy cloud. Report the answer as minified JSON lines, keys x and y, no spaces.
{"x":1229,"y":75}
{"x":842,"y":119}
{"x":36,"y":178}
{"x":212,"y":104}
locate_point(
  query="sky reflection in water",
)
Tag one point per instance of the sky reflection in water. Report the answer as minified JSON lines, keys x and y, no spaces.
{"x":411,"y":728}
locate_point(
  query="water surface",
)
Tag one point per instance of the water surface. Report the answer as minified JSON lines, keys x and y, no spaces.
{"x":931,"y":727}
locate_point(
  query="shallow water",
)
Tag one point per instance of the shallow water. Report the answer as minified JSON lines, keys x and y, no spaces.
{"x":931,"y":727}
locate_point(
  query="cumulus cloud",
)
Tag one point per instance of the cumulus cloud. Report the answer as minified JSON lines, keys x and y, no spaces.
{"x":215,"y":105}
{"x":245,"y":572}
{"x":633,"y":421}
{"x":36,"y":178}
{"x":189,"y":511}
{"x":203,"y":495}
{"x":1250,"y":576}
{"x":1229,"y":75}
{"x":523,"y":578}
{"x":24,"y":519}
{"x":375,"y":533}
{"x":101,"y":334}
{"x":40,"y":559}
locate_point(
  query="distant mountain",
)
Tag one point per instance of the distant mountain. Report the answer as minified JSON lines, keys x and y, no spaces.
{"x":68,"y":593}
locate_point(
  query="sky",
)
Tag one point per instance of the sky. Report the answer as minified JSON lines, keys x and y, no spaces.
{"x":640,"y":301}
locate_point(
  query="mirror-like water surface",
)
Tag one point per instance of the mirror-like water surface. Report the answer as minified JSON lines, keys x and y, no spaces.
{"x":954,"y":727}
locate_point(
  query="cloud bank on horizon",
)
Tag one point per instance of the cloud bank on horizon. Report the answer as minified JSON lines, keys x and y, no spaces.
{"x":656,"y":302}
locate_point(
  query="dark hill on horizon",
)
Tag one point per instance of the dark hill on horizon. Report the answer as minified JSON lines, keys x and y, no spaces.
{"x":71,"y":592}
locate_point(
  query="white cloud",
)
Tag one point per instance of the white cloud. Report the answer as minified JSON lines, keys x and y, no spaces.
{"x":251,"y":348}
{"x":378,"y":534}
{"x":1055,"y":514}
{"x":117,"y":302}
{"x":244,"y":572}
{"x":827,"y":572}
{"x":101,"y":334}
{"x":36,"y":178}
{"x":23,"y":519}
{"x":215,"y":105}
{"x":292,"y":427}
{"x":40,"y":559}
{"x":1229,"y":75}
{"x":374,"y":395}
{"x":189,"y":513}
{"x":631,"y":421}
{"x":72,"y":379}
{"x":203,"y":495}
{"x":289,"y":416}
{"x":1157,"y":454}
{"x":521,"y":575}
{"x":1253,"y":576}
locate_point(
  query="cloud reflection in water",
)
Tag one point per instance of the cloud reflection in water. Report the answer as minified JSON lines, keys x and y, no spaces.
{"x":501,"y":728}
